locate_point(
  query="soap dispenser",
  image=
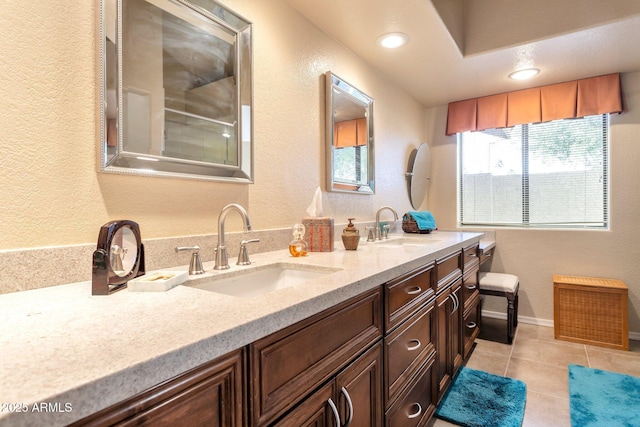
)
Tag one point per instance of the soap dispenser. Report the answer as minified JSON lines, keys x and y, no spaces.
{"x":298,"y":247}
{"x":350,"y":236}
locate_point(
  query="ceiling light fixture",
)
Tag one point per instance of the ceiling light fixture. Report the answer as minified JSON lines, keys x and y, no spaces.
{"x":393,"y":40}
{"x":525,"y":74}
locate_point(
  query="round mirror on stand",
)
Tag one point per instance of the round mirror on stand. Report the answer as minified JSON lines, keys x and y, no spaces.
{"x":118,"y":258}
{"x":419,"y":176}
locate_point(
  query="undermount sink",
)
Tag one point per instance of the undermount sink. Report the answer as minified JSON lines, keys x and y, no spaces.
{"x":260,"y":280}
{"x":406,"y":241}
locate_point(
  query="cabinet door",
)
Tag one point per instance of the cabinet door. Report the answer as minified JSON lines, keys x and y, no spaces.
{"x":471,"y":324}
{"x":457,"y":338}
{"x":288,"y":365}
{"x":449,"y":346}
{"x":353,"y":397}
{"x":211,"y":395}
{"x":359,"y":388}
{"x":315,"y":411}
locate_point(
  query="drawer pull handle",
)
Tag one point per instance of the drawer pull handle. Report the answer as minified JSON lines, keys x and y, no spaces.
{"x":415,"y":346}
{"x":417,"y":413}
{"x":472,"y":287}
{"x":335,"y":411}
{"x":471,"y":325}
{"x":349,"y":404}
{"x":414,"y":291}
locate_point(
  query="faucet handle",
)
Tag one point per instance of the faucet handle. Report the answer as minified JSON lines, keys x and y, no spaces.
{"x":195,"y":266}
{"x":243,"y":256}
{"x":385,"y":231}
{"x":370,"y":235}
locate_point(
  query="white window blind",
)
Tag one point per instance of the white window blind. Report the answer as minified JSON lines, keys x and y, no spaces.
{"x":552,"y":174}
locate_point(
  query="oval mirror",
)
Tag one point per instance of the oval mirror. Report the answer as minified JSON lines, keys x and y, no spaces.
{"x":124,"y":251}
{"x":420,"y":176}
{"x":176,"y":90}
{"x":349,"y":137}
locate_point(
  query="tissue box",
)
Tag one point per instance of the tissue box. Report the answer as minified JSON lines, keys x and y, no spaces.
{"x":319,"y":233}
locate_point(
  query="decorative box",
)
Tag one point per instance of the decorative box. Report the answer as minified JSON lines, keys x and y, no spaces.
{"x":319,"y":233}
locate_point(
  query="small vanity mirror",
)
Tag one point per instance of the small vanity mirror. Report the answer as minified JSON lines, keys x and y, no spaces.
{"x":349,"y":134}
{"x":419,"y":176}
{"x":176,"y":90}
{"x":118,"y":258}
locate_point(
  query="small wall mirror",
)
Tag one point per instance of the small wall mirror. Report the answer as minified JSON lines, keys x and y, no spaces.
{"x":419,"y":175}
{"x":176,"y":90}
{"x":349,"y":134}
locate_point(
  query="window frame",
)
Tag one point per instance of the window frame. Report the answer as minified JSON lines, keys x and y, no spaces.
{"x":524,"y":223}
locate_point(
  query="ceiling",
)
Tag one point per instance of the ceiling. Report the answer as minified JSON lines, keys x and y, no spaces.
{"x":460,"y":49}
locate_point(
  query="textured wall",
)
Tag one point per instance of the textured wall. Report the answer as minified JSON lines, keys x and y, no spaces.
{"x":52,"y":195}
{"x":536,"y":255}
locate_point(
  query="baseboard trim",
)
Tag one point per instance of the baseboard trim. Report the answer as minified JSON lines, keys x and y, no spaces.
{"x":539,"y":322}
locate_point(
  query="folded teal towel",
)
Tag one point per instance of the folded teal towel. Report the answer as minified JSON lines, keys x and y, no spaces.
{"x":424,"y":219}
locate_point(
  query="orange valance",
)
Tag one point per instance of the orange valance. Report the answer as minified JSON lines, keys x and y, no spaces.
{"x":585,"y":97}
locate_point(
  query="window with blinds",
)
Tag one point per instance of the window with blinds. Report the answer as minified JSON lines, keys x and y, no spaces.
{"x":552,"y":174}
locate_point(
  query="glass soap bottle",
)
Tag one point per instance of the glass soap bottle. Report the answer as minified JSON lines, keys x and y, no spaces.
{"x":298,"y":247}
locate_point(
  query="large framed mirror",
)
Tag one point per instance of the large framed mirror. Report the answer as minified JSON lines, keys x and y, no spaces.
{"x":349,"y":138}
{"x":176,"y":90}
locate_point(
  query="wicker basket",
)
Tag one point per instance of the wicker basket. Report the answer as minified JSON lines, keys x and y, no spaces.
{"x":591,"y":311}
{"x":409,"y":225}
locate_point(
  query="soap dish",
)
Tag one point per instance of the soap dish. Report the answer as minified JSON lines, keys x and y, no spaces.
{"x":157,"y":281}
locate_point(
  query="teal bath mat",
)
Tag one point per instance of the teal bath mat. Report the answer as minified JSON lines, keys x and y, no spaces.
{"x":603,"y":398}
{"x":480,"y":399}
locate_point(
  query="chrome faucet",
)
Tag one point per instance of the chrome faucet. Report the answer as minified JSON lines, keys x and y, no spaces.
{"x":395,"y":218}
{"x":222,"y":263}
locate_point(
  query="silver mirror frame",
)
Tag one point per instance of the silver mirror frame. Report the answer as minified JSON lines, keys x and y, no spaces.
{"x":333,"y":82}
{"x":129,"y":163}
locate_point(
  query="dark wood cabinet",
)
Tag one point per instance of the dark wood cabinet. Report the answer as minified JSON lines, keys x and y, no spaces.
{"x":288,"y":365}
{"x":409,"y":350}
{"x":210,"y":395}
{"x":353,"y":398}
{"x":384,"y":357}
{"x":449,"y":347}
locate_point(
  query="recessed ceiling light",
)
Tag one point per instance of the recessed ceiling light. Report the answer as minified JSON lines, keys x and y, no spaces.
{"x":525,"y":74}
{"x":393,"y":40}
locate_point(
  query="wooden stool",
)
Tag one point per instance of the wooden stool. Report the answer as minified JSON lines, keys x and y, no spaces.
{"x":503,"y":285}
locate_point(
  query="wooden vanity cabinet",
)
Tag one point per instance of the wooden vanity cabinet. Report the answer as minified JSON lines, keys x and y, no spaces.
{"x":470,"y":298}
{"x":448,"y":308}
{"x":355,"y":396}
{"x":449,"y":341}
{"x":287,"y":366}
{"x":409,"y":350}
{"x":210,"y":395}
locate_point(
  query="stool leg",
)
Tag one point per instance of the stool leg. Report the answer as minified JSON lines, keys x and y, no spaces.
{"x":510,"y":318}
{"x":515,"y":318}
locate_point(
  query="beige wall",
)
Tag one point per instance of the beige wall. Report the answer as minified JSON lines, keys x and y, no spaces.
{"x":52,"y":195}
{"x":536,"y":255}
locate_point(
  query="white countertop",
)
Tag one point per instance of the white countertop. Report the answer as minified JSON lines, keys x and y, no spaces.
{"x":79,"y":353}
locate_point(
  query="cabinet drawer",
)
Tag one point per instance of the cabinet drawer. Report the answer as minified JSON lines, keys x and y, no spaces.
{"x":486,"y":255}
{"x":470,"y":257}
{"x":469,"y":287}
{"x":415,"y":406}
{"x":448,"y":269}
{"x":406,"y":349}
{"x":406,"y":294}
{"x":292,"y":362}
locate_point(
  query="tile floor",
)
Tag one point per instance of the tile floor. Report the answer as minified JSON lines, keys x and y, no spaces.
{"x":542,"y":363}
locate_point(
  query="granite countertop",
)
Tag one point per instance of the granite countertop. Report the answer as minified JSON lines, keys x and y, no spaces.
{"x":69,"y":354}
